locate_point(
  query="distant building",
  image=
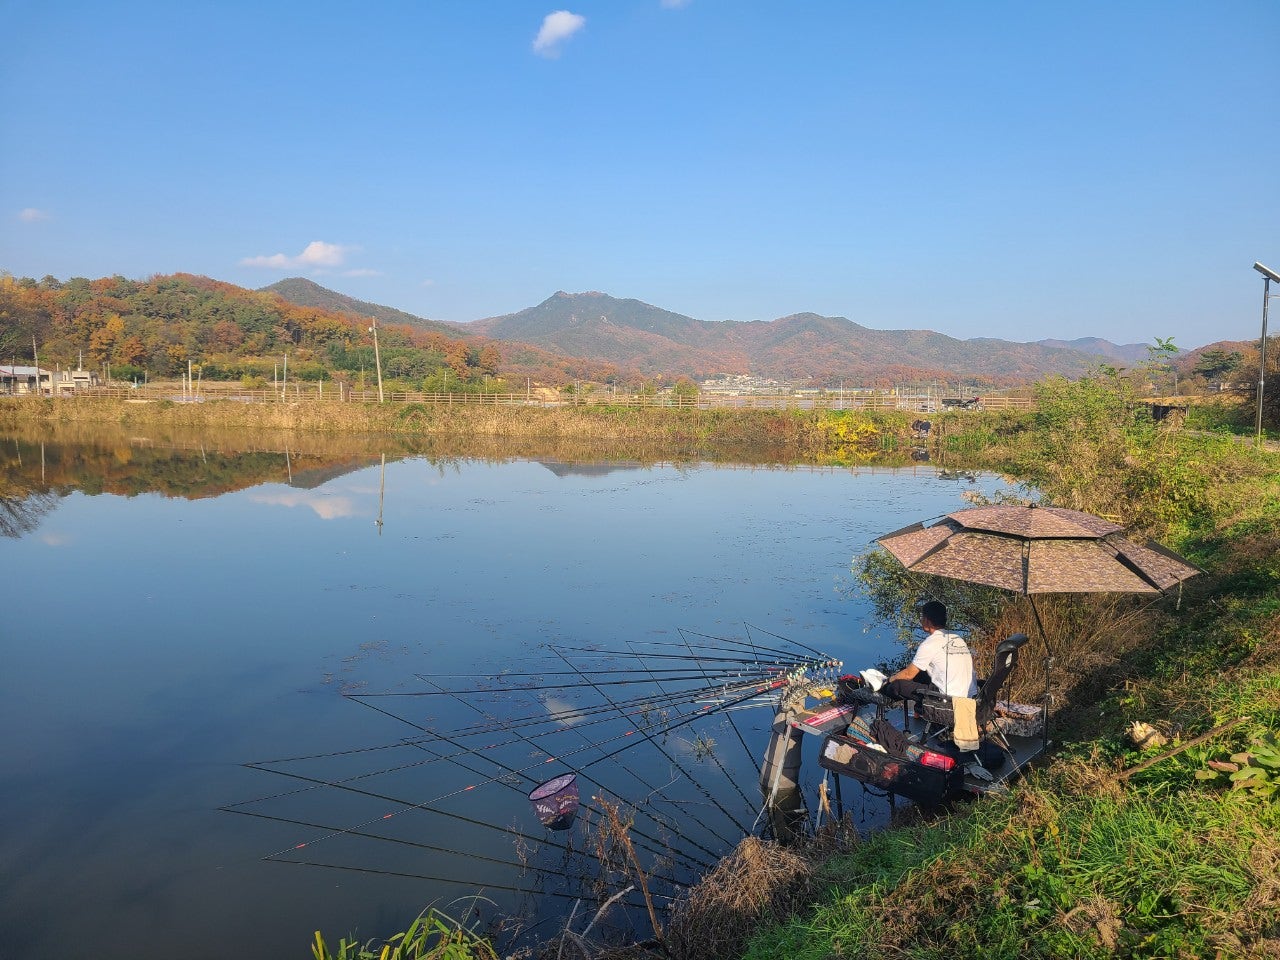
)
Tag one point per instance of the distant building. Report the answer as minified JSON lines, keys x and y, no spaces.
{"x":70,"y":381}
{"x":19,"y":380}
{"x":743,"y":385}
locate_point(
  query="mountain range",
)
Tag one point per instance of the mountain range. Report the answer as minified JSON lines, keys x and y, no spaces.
{"x":634,"y":335}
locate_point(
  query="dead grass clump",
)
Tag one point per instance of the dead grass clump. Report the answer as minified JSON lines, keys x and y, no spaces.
{"x":759,"y":882}
{"x":1091,"y":776}
{"x":1096,"y":918}
{"x":1088,"y":634}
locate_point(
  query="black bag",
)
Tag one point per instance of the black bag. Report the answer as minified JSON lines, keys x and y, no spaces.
{"x":927,"y":786}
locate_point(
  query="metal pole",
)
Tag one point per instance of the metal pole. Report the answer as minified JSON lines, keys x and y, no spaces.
{"x":377,"y":357}
{"x":1262,"y":355}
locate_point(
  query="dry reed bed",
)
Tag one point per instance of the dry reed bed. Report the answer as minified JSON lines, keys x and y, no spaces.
{"x":660,"y":433}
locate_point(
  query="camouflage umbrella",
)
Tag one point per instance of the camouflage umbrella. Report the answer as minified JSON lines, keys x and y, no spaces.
{"x":1033,"y":549}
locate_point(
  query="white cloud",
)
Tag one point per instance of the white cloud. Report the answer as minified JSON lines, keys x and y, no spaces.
{"x":32,"y":215}
{"x":324,"y":507}
{"x":556,"y":29}
{"x":55,"y":539}
{"x":674,"y":4}
{"x":321,"y":254}
{"x":428,"y":283}
{"x":362,"y":272}
{"x":317,"y":254}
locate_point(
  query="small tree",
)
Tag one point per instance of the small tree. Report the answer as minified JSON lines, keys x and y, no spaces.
{"x":1217,"y":364}
{"x":685,"y":389}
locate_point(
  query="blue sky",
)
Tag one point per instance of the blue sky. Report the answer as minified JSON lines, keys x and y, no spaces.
{"x":1007,"y":169}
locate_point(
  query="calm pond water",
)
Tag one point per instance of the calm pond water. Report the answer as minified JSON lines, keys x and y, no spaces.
{"x":173,"y":614}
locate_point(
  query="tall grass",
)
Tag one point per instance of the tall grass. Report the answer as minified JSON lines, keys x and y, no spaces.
{"x":432,"y":936}
{"x":595,"y":432}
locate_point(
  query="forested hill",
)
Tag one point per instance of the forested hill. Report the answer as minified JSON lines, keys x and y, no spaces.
{"x":156,"y":327}
{"x":1116,"y":352}
{"x":308,"y":293}
{"x":803,"y":346}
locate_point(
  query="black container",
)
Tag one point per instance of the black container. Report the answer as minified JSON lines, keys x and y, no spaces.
{"x":926,"y":785}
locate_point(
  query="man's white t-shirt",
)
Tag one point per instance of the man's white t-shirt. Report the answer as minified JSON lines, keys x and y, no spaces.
{"x":950,"y":664}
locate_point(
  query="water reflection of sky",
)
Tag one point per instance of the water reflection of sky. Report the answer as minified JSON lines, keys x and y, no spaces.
{"x":324,"y":506}
{"x":165,"y":641}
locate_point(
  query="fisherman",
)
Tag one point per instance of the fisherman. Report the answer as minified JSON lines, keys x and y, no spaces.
{"x":942,"y":661}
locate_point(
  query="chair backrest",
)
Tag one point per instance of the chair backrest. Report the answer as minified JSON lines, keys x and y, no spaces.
{"x":1006,"y":659}
{"x":936,"y":707}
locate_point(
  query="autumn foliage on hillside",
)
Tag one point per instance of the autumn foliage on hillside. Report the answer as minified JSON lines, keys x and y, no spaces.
{"x":156,"y":327}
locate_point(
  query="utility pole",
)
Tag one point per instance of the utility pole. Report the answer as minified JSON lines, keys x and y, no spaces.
{"x":377,"y":356}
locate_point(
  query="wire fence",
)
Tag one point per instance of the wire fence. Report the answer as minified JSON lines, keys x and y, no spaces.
{"x":331,"y":392}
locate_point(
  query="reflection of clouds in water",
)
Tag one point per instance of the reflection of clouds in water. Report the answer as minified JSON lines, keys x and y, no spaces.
{"x":55,"y":539}
{"x":325,"y":507}
{"x":562,"y":712}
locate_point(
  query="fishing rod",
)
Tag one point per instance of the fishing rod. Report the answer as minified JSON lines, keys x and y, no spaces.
{"x":663,"y":750}
{"x":642,"y":703}
{"x":730,"y":642}
{"x":731,"y":780}
{"x":747,"y":750}
{"x":767,"y":633}
{"x":415,"y":844}
{"x":563,"y":672}
{"x":727,"y":641}
{"x":536,"y":687}
{"x":648,"y":786}
{"x":696,"y":657}
{"x":523,"y":772}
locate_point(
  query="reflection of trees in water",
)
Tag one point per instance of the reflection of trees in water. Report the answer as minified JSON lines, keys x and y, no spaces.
{"x":20,"y":515}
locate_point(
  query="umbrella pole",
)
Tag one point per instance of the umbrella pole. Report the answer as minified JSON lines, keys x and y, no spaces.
{"x":1048,"y":671}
